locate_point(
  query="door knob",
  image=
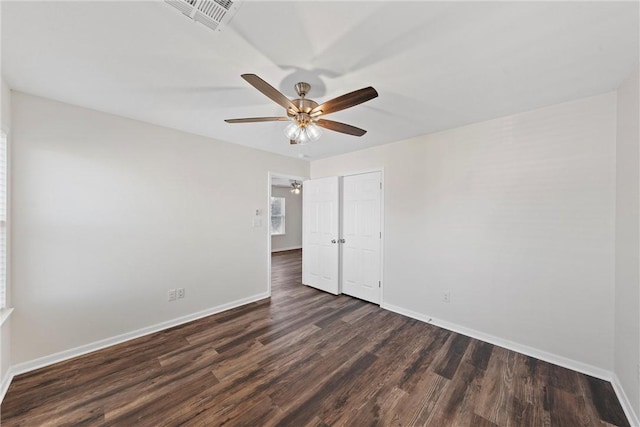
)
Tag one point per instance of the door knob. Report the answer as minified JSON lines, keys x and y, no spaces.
{"x":333,"y":240}
{"x":341,"y":240}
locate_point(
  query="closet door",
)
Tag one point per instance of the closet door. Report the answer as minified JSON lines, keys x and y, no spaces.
{"x":320,"y":222}
{"x":361,"y":236}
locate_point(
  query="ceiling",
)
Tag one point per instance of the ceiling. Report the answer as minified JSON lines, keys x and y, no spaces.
{"x":436,"y":65}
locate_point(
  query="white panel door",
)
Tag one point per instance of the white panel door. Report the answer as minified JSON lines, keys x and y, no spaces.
{"x":320,"y":223}
{"x":361,"y":236}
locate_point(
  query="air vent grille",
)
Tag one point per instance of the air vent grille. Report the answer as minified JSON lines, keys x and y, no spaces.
{"x":225,"y":3}
{"x":183,"y":6}
{"x":212,"y":13}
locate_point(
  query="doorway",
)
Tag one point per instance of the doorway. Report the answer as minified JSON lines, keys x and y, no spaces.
{"x":284,"y":225}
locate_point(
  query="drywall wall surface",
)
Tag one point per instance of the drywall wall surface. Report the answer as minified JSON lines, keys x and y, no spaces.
{"x":110,"y":213}
{"x":627,"y":285}
{"x":5,"y":106}
{"x":292,"y":238}
{"x":514,"y":217}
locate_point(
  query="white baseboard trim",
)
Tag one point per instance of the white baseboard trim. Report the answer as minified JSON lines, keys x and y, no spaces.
{"x":6,"y":382}
{"x":290,"y":248}
{"x":632,"y":417}
{"x":510,"y":345}
{"x":41,"y":362}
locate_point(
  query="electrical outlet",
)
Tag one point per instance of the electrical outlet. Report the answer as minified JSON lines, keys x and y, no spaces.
{"x":446,"y":297}
{"x":171,"y":295}
{"x":180,"y":292}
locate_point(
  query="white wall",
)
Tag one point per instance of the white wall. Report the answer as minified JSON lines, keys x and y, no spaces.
{"x":110,"y":213}
{"x":5,"y":105}
{"x":627,"y":288}
{"x":293,"y":221}
{"x":513,"y":216}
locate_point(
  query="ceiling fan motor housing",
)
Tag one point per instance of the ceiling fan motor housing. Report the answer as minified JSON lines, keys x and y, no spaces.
{"x":303,"y":89}
{"x":304,"y":106}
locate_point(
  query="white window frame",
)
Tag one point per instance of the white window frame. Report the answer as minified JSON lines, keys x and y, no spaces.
{"x":283,"y":215}
{"x":4,"y":209}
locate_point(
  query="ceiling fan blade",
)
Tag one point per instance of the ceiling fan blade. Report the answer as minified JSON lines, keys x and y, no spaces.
{"x":257,"y":119}
{"x":271,"y":92}
{"x":340,"y":127}
{"x":345,"y":101}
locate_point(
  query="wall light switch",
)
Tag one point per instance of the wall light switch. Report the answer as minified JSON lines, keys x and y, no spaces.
{"x":257,"y":222}
{"x":171,"y":295}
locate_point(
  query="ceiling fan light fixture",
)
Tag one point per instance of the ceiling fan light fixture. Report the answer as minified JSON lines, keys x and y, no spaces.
{"x":313,"y":131}
{"x":292,"y":131}
{"x":296,"y":187}
{"x":303,"y":136}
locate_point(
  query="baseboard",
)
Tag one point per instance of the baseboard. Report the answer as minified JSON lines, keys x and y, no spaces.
{"x":510,"y":345}
{"x":41,"y":362}
{"x":632,"y":417}
{"x":290,"y":248}
{"x":6,"y":382}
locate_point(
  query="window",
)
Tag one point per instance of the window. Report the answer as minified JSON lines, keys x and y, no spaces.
{"x":277,"y":216}
{"x":3,"y":220}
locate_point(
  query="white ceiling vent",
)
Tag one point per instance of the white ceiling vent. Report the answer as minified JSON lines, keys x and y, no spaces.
{"x":215,"y":14}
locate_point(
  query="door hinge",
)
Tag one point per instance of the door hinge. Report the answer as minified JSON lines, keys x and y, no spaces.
{"x":381,"y":186}
{"x":379,"y":284}
{"x":381,"y":234}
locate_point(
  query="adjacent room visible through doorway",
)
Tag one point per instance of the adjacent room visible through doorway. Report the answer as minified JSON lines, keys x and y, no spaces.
{"x":285,"y":219}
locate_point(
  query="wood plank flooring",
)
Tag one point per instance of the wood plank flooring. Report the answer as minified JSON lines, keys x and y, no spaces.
{"x":307,"y":358}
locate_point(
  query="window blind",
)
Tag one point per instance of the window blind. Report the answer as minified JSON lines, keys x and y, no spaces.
{"x":277,"y":216}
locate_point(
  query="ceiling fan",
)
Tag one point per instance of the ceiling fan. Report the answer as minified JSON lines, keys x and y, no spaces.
{"x":304,"y":113}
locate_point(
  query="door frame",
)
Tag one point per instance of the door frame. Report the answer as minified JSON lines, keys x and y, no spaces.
{"x":267,"y":211}
{"x":361,"y":172}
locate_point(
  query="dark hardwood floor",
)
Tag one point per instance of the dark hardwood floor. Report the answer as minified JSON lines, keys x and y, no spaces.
{"x":308,"y":358}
